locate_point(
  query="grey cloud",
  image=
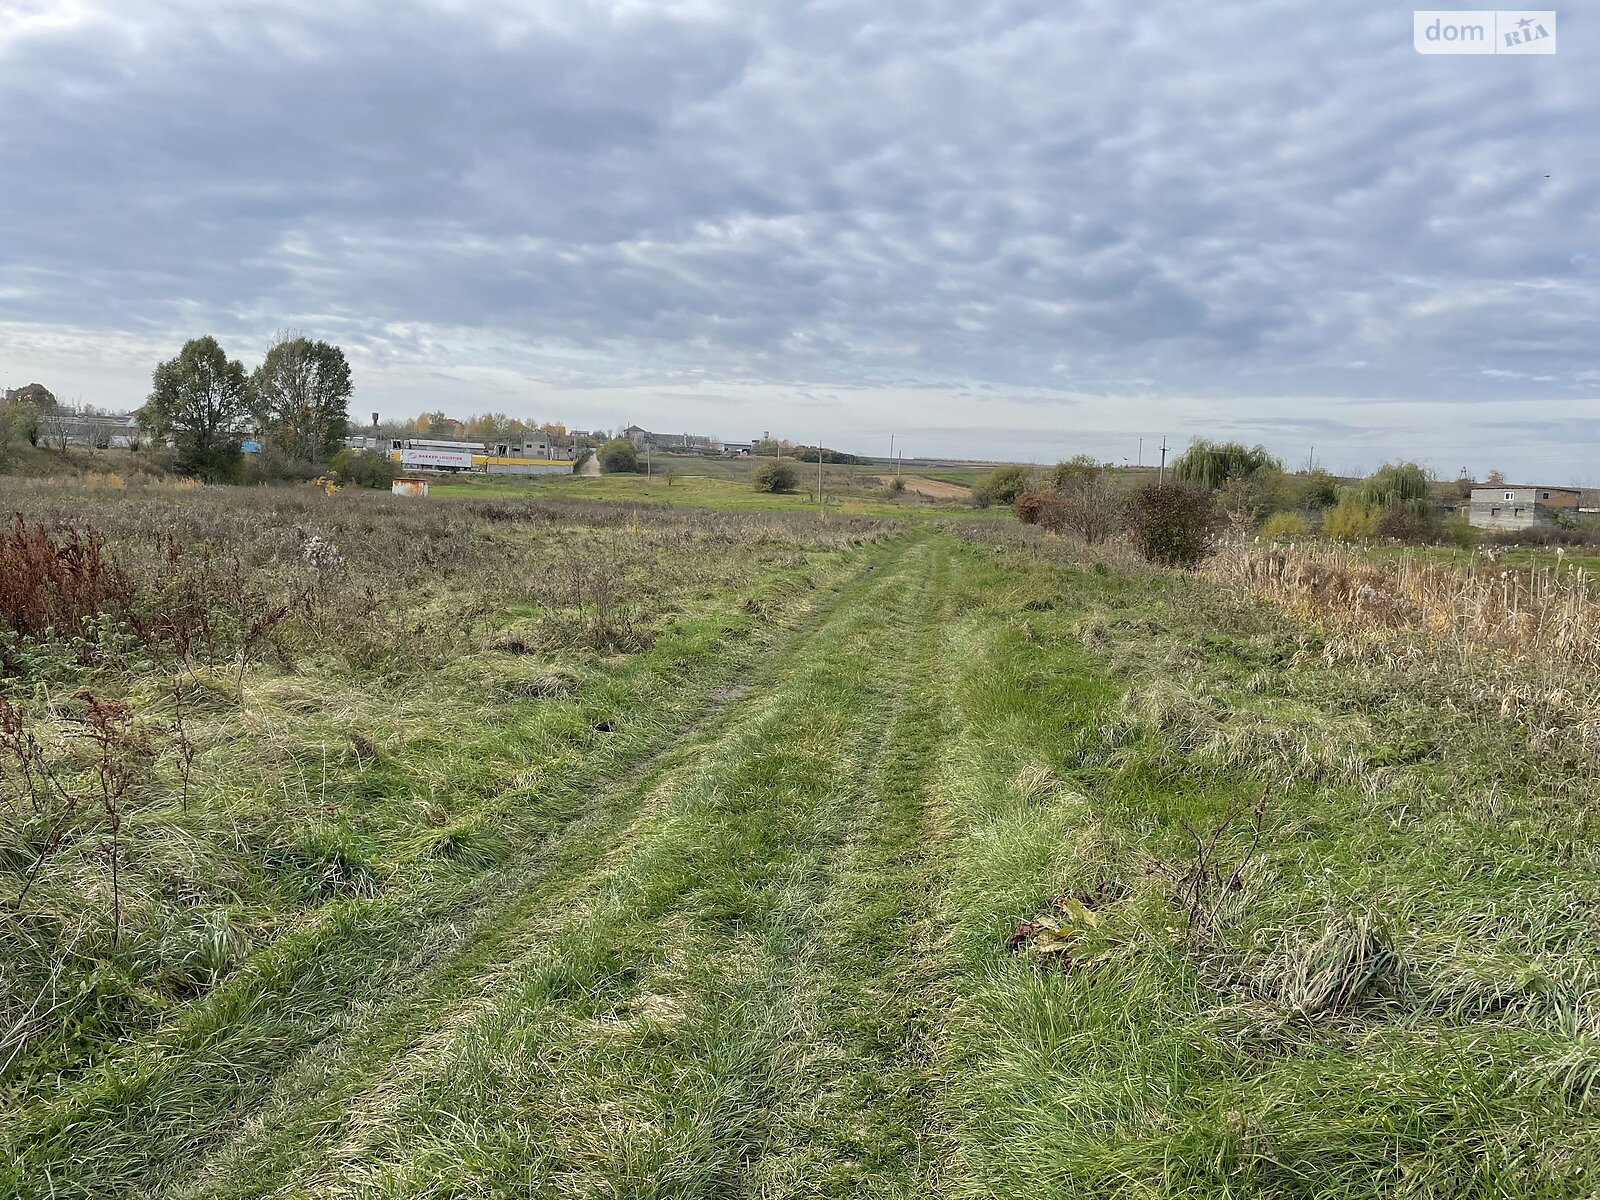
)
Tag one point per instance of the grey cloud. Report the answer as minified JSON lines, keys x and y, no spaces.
{"x":1018,"y":203}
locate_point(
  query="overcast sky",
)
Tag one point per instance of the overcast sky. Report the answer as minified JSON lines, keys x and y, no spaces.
{"x":1017,"y":229}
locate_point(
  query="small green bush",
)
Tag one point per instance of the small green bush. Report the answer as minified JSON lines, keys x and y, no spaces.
{"x":363,"y":468}
{"x":618,"y":457}
{"x":1074,"y":474}
{"x":1001,"y":486}
{"x":1285,"y":526}
{"x":1318,"y":490}
{"x":1459,"y":531}
{"x":775,"y":476}
{"x":1351,"y":521}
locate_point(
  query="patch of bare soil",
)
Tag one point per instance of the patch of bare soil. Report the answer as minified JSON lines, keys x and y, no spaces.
{"x":934,"y":489}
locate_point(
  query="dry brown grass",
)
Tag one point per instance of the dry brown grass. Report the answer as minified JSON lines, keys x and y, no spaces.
{"x":1544,"y":616}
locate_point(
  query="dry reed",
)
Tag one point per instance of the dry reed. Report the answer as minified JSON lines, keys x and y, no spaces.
{"x":1542,"y":615}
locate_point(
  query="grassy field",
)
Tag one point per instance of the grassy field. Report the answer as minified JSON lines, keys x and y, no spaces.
{"x":842,"y":497}
{"x":565,"y":848}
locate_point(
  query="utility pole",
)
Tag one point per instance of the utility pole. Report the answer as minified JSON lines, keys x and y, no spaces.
{"x":1141,"y":452}
{"x":821,"y":503}
{"x":647,"y":464}
{"x":1162,"y":477}
{"x":891,"y":449}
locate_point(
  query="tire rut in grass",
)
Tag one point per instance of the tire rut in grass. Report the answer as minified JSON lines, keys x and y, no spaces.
{"x":856,"y":1116}
{"x":676,"y":932}
{"x":332,"y":1014}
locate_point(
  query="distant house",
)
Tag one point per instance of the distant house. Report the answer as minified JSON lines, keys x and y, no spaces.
{"x":534,"y":445}
{"x":1510,"y":507}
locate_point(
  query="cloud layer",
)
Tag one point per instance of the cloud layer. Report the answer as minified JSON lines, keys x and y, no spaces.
{"x":1007,"y":228}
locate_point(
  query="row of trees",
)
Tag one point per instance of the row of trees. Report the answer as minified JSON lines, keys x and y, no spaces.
{"x":32,"y":415}
{"x":1223,"y":483}
{"x":479,"y":427}
{"x":296,"y":403}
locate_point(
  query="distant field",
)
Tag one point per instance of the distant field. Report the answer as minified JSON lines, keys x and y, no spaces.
{"x":718,"y":493}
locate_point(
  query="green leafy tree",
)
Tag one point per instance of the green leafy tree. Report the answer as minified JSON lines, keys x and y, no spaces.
{"x":1001,"y":486}
{"x":1319,"y":489}
{"x":300,"y":397}
{"x":1072,"y":475}
{"x":774,"y":476}
{"x":199,"y":400}
{"x":1402,"y":485}
{"x":19,"y":423}
{"x":618,"y":457}
{"x":1210,"y":464}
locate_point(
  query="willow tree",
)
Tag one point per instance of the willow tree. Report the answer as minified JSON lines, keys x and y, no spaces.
{"x":1397,"y":485}
{"x":1210,"y":464}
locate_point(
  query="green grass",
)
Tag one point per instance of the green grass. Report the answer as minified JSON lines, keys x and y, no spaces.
{"x":696,"y":491}
{"x":753,"y":941}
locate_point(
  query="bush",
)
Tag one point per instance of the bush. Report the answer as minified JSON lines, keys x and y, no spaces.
{"x":1351,"y":521}
{"x":1173,"y":523}
{"x":775,"y":476}
{"x":1030,"y":506}
{"x":1405,"y":525}
{"x":618,"y":457}
{"x":363,"y":468}
{"x":1087,"y":506}
{"x":1543,"y":535}
{"x":1318,"y":490}
{"x":897,"y":485}
{"x":1001,"y":486}
{"x":1039,"y":508}
{"x":1285,"y":526}
{"x":1459,"y":531}
{"x":1071,"y":475}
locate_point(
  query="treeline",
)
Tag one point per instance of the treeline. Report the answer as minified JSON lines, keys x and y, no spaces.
{"x":1217,"y":485}
{"x":810,"y":454}
{"x":479,"y":427}
{"x":784,"y":448}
